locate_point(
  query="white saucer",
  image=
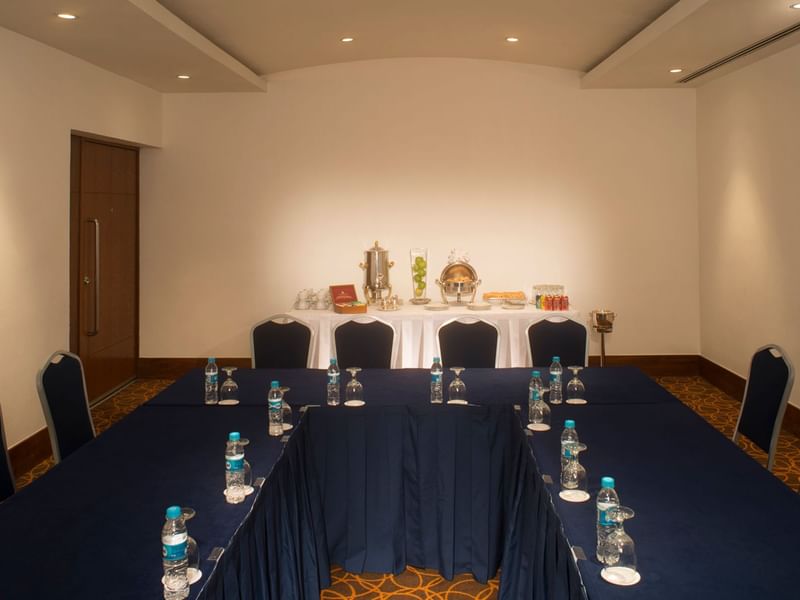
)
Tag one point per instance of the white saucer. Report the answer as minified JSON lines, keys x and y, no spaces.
{"x":574,"y":495}
{"x":459,"y":402}
{"x":538,"y":427}
{"x":479,"y":306}
{"x":576,"y":401}
{"x":436,"y":306}
{"x":248,"y":489}
{"x":620,"y":575}
{"x":228,"y":402}
{"x":354,"y":403}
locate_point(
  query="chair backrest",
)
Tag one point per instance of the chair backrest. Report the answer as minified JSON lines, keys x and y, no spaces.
{"x":62,"y":390}
{"x":281,"y":342}
{"x":7,"y":486}
{"x":365,"y":342}
{"x":769,"y":384}
{"x":469,"y":343}
{"x":558,"y":336}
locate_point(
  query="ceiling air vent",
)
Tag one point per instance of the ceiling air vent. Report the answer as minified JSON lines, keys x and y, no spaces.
{"x":740,"y":53}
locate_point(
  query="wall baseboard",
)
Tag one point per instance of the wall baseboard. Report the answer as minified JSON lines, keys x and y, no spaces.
{"x":30,"y":452}
{"x":36,"y":448}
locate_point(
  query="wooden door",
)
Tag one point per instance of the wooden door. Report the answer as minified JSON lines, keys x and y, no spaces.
{"x":104,"y":260}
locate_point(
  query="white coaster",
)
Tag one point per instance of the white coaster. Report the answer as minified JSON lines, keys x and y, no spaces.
{"x":287,"y":426}
{"x":576,"y":401}
{"x":249,"y":489}
{"x":574,"y":495}
{"x":459,"y":402}
{"x":225,"y":493}
{"x":621,"y":575}
{"x":228,"y":402}
{"x":538,"y":427}
{"x":354,"y":403}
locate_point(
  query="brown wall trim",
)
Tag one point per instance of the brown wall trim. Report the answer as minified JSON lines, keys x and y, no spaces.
{"x":173,"y":368}
{"x":654,"y":365}
{"x":30,"y":452}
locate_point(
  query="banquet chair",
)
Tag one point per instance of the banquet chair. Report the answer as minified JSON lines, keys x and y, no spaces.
{"x":365,"y":342}
{"x":766,"y":393}
{"x":62,"y":391}
{"x":468,"y":342}
{"x":558,"y":336}
{"x":7,"y":487}
{"x":281,"y":342}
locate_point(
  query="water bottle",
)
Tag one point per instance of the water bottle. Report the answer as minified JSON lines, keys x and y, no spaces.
{"x":606,"y":499}
{"x":234,"y":469}
{"x":333,"y":383}
{"x":174,"y":541}
{"x":535,"y":383}
{"x":568,"y":437}
{"x":275,"y":401}
{"x":555,"y":381}
{"x":436,"y":381}
{"x":212,"y":390}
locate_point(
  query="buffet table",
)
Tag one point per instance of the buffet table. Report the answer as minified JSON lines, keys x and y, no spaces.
{"x":401,"y":481}
{"x":416,"y":328}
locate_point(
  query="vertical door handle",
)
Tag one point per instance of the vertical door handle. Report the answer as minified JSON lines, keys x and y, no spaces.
{"x":96,"y":328}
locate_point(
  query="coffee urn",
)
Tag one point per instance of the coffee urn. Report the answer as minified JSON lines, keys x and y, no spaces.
{"x":376,"y":267}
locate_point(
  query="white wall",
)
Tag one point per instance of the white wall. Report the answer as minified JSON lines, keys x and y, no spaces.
{"x":46,"y":94}
{"x":255,"y":196}
{"x":748,"y":123}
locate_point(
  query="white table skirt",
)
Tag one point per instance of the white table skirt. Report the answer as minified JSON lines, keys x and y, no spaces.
{"x":416,"y":329}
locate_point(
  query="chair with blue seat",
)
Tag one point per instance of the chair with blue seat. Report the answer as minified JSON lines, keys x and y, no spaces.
{"x":769,"y":385}
{"x":281,"y":342}
{"x":558,"y":336}
{"x":468,"y":342}
{"x":365,"y":342}
{"x":62,"y":391}
{"x":7,"y":487}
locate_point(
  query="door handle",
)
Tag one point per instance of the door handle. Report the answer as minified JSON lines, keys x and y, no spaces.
{"x":96,"y":329}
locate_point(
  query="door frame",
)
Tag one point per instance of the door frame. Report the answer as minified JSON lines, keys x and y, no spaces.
{"x":76,"y":140}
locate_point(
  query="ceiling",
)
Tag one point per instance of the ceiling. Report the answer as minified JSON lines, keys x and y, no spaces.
{"x":234,"y":45}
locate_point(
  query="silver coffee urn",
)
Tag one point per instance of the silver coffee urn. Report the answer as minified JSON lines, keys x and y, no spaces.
{"x":376,"y":267}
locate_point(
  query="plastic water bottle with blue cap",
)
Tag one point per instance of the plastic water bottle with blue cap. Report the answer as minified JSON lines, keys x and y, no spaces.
{"x":437,"y":396}
{"x":234,"y":469}
{"x":333,"y":384}
{"x":275,"y":402}
{"x":569,"y":436}
{"x":556,"y":371}
{"x":212,"y":380}
{"x":607,"y":499}
{"x":174,"y":541}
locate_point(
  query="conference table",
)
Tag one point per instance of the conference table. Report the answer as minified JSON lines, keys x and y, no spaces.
{"x":400,"y":481}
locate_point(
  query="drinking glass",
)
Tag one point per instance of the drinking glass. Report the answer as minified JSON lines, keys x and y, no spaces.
{"x":573,"y":475}
{"x":539,"y":414}
{"x":576,"y":391}
{"x":193,"y":572}
{"x":620,"y":552}
{"x":229,"y":392}
{"x":286,"y":410}
{"x":354,"y":392}
{"x":457,"y":391}
{"x":419,"y":275}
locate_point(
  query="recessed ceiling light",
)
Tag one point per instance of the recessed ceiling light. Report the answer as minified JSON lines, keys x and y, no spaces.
{"x":347,"y":40}
{"x":676,"y":70}
{"x":184,"y":76}
{"x":66,"y":16}
{"x":513,"y":40}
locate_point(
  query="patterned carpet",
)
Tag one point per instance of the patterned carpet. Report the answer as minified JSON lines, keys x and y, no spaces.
{"x":713,"y":405}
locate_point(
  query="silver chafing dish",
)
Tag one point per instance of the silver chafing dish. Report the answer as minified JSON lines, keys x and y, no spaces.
{"x":458,"y":279}
{"x":376,"y":267}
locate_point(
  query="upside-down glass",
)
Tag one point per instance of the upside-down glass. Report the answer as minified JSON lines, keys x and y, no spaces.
{"x":620,"y":552}
{"x":286,"y":409}
{"x":354,"y":392}
{"x":229,"y":392}
{"x":573,"y":476}
{"x":576,"y":391}
{"x":457,"y":390}
{"x":538,"y":414}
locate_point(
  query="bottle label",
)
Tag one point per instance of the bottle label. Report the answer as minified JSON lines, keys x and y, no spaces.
{"x":436,"y":378}
{"x":174,"y":546}
{"x":212,"y":379}
{"x":602,"y":514}
{"x":275,"y":403}
{"x":234,"y":463}
{"x":333,"y":378}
